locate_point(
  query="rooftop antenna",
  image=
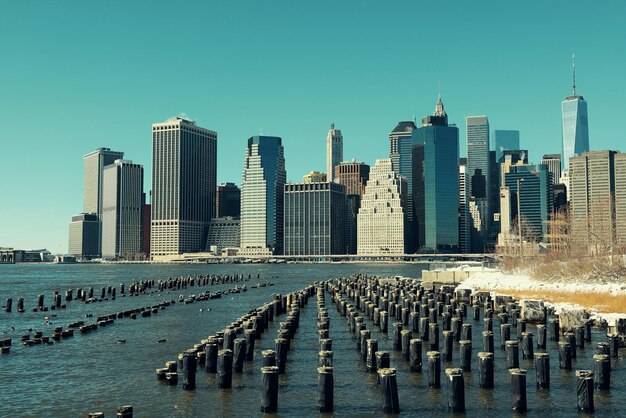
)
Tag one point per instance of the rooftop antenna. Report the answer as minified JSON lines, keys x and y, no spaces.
{"x":574,"y":73}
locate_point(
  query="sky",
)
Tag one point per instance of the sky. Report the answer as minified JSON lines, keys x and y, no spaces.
{"x":77,"y":75}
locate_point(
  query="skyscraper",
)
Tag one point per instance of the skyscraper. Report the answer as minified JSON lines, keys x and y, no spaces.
{"x":122,"y":203}
{"x":381,"y":218}
{"x":553,"y":161}
{"x":314,"y":218}
{"x":228,"y":200}
{"x":94,"y":164}
{"x":435,"y":182}
{"x":262,"y":196}
{"x":184,"y":165}
{"x":353,"y":176}
{"x":575,"y":124}
{"x":505,"y":140}
{"x":401,"y":155}
{"x":479,"y":179}
{"x":535,"y":199}
{"x":334,"y":150}
{"x":464,"y":214}
{"x":598,"y":199}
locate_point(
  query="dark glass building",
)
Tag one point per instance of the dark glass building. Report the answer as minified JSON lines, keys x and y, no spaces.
{"x":228,"y":200}
{"x":435,"y":183}
{"x":314,"y":218}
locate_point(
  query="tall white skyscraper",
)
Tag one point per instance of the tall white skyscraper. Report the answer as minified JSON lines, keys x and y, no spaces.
{"x":381,"y":219}
{"x":262,"y":196}
{"x":122,"y":204}
{"x":334,"y":151}
{"x":464,"y":213}
{"x":184,"y":167}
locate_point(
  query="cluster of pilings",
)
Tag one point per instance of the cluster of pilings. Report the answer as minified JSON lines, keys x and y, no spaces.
{"x":439,"y":321}
{"x":225,"y":352}
{"x":60,"y":333}
{"x":106,"y":293}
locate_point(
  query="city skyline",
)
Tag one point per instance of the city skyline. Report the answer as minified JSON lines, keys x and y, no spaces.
{"x":114,"y":80}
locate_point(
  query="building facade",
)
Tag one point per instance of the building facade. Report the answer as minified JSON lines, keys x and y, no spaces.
{"x":122,"y":204}
{"x":94,"y":164}
{"x":184,"y":168}
{"x":536,"y":199}
{"x":224,"y":232}
{"x":435,"y":183}
{"x":262,"y":196}
{"x":334,"y":150}
{"x":84,"y":236}
{"x":401,"y":155}
{"x":353,"y":176}
{"x":553,"y":161}
{"x":314,"y":218}
{"x":505,"y":140}
{"x":575,"y":127}
{"x":598,"y":200}
{"x":464,"y":214}
{"x":381,"y":219}
{"x":227,"y":200}
{"x":478,"y":170}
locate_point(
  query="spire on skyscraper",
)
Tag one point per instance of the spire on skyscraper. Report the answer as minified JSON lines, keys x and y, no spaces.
{"x":574,"y":74}
{"x":439,"y":111}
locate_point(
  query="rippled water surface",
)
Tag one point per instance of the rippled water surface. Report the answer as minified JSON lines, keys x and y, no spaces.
{"x":92,"y":372}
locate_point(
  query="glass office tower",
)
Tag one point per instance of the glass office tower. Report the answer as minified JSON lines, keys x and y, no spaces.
{"x":575,"y":128}
{"x":435,"y":183}
{"x":262,"y":196}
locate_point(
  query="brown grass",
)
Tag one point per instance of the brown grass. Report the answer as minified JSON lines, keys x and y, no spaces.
{"x":603,"y":302}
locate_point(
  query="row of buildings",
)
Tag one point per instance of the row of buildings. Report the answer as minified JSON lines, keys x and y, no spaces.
{"x":423,"y":198}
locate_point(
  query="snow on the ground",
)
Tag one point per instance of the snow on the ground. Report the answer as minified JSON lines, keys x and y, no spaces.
{"x":499,"y":282}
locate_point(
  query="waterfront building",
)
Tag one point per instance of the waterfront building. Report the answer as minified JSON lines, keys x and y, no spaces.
{"x":464,"y":214}
{"x":505,"y":140}
{"x":536,"y":200}
{"x":122,"y":204}
{"x":314,"y":218}
{"x":227,"y":200}
{"x":353,"y":176}
{"x":575,"y":127}
{"x":314,"y":177}
{"x":598,"y":199}
{"x":184,"y":166}
{"x":382,"y":218}
{"x":334,"y":150}
{"x":478,"y":170}
{"x":84,"y":236}
{"x":224,"y":232}
{"x":435,"y":183}
{"x":262,"y":196}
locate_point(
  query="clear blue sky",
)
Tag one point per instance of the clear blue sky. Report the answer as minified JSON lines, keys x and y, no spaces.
{"x":77,"y":75}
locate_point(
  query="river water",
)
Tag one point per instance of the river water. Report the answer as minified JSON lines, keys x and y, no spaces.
{"x":92,"y":372}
